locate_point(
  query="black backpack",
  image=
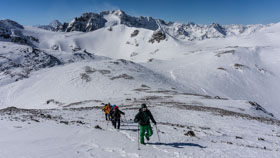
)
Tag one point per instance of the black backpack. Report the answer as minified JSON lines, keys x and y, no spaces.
{"x":116,"y":114}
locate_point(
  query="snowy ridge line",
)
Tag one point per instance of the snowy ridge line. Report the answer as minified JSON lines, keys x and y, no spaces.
{"x":88,"y":22}
{"x":173,"y":92}
{"x":224,"y":112}
{"x":219,"y":111}
{"x":37,"y":115}
{"x":45,"y":114}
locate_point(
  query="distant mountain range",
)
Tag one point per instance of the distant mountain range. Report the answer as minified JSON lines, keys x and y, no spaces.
{"x":92,"y":21}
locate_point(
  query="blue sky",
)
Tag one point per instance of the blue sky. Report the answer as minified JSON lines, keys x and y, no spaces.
{"x":32,"y":12}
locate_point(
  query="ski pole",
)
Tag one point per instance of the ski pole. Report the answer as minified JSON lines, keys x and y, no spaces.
{"x":107,"y":125}
{"x":126,"y":123}
{"x":157,"y":133}
{"x":125,"y":118}
{"x":138,"y":138}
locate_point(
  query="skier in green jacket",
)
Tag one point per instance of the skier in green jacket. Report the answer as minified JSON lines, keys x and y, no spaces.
{"x":143,"y":118}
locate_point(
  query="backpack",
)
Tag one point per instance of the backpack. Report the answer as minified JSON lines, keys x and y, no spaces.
{"x":116,"y":114}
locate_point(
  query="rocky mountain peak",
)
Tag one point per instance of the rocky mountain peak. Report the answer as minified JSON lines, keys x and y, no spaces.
{"x":55,"y":23}
{"x":10,"y":24}
{"x":183,"y":31}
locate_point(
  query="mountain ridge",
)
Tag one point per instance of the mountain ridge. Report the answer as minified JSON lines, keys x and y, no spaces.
{"x":91,"y":21}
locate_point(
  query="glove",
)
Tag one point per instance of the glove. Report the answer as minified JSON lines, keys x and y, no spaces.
{"x":155,"y":123}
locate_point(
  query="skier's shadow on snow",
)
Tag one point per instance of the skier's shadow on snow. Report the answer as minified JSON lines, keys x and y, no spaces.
{"x":130,"y":125}
{"x":133,"y":130}
{"x":179,"y":145}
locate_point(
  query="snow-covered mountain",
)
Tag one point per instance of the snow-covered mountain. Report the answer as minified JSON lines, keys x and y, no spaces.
{"x":12,"y":31}
{"x":53,"y":26}
{"x":92,"y":21}
{"x":217,"y":77}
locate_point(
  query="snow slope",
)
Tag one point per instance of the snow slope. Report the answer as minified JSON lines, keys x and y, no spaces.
{"x":75,"y":135}
{"x":237,"y":67}
{"x":87,"y":80}
{"x":219,"y":81}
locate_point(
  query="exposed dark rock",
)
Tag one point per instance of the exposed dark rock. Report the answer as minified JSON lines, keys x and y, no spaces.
{"x":145,"y":86}
{"x":76,"y":49}
{"x":104,"y":72}
{"x":157,"y":36}
{"x":89,"y":70}
{"x":218,"y":97}
{"x":54,"y":101}
{"x":225,"y":52}
{"x":205,"y":128}
{"x":221,"y":68}
{"x":64,"y":122}
{"x":35,"y":120}
{"x":115,"y":62}
{"x":124,"y":76}
{"x":84,"y":55}
{"x":55,"y":47}
{"x":97,"y":127}
{"x":154,"y":52}
{"x":240,"y":66}
{"x":190,"y":133}
{"x":85,"y":77}
{"x":33,"y":39}
{"x":261,"y":139}
{"x":80,"y":122}
{"x":86,"y":23}
{"x":259,"y":107}
{"x":219,"y":28}
{"x":110,"y":29}
{"x":134,"y":33}
{"x":133,"y":54}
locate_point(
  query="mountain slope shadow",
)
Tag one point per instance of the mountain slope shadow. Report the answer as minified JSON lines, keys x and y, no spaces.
{"x":179,"y":145}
